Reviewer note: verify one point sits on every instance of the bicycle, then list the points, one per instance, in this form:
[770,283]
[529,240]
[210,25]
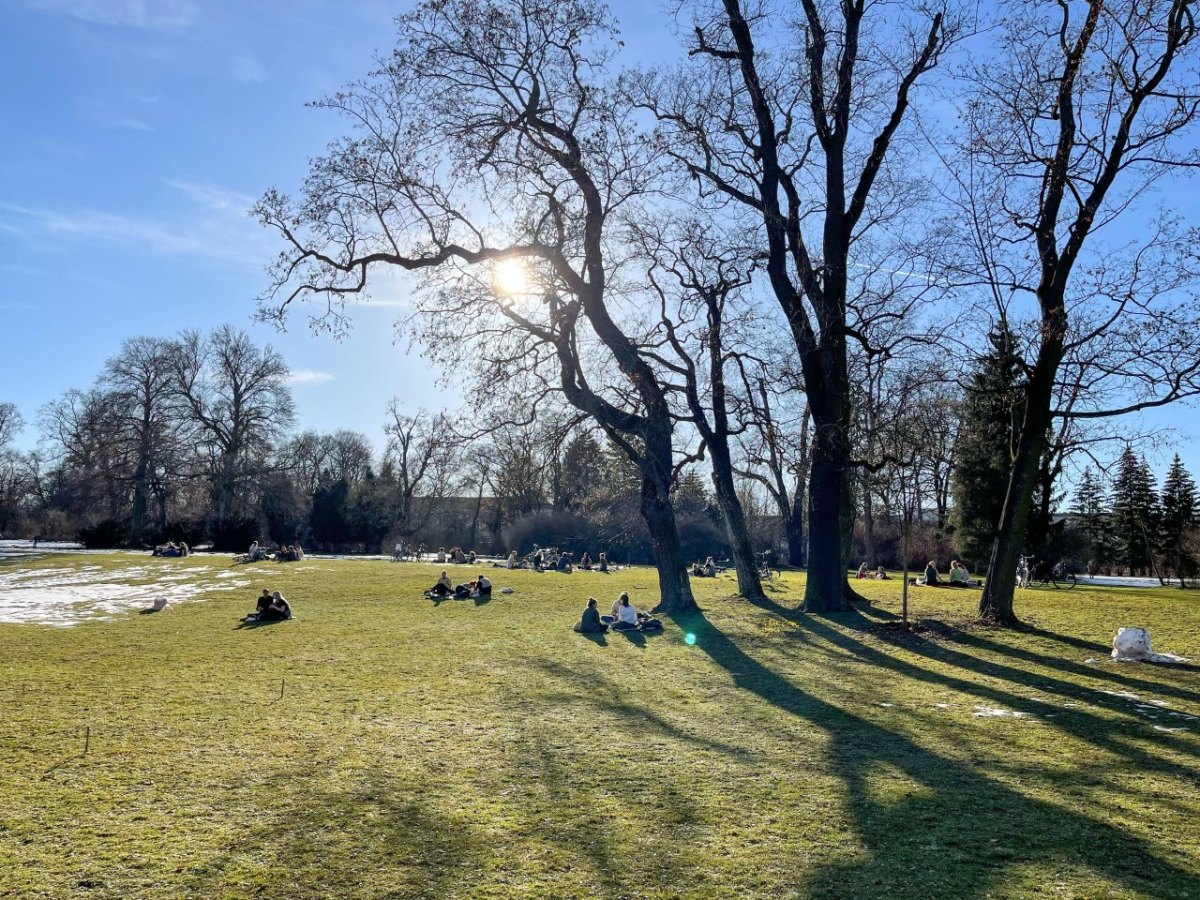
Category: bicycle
[1044,575]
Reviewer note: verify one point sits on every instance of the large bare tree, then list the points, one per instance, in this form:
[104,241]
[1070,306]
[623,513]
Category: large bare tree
[789,115]
[491,139]
[1080,108]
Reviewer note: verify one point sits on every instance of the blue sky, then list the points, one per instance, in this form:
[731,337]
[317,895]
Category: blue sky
[136,135]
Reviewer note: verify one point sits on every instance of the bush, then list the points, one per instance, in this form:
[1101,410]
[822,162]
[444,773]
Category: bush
[234,535]
[106,534]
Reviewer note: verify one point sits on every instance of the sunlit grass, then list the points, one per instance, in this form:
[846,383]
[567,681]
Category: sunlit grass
[471,750]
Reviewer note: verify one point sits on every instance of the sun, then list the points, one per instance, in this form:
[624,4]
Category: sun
[510,277]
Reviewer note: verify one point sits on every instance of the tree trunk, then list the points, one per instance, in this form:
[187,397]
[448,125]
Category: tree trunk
[749,585]
[868,526]
[828,490]
[996,603]
[137,515]
[793,524]
[673,586]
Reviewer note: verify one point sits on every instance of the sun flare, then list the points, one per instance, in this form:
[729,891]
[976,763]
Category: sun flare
[510,277]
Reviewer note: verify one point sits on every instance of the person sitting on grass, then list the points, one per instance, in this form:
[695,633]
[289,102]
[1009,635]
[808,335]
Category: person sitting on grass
[483,587]
[184,549]
[443,588]
[931,576]
[603,564]
[585,562]
[959,576]
[710,568]
[625,617]
[278,610]
[539,561]
[511,562]
[863,569]
[564,563]
[881,574]
[264,601]
[589,622]
[441,556]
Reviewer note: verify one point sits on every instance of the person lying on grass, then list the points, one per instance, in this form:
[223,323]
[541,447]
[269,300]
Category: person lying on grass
[589,622]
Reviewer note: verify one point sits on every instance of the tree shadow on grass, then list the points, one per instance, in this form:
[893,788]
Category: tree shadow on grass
[960,813]
[357,835]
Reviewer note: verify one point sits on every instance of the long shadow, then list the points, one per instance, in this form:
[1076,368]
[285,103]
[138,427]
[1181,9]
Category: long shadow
[319,833]
[605,696]
[1079,722]
[990,824]
[1074,668]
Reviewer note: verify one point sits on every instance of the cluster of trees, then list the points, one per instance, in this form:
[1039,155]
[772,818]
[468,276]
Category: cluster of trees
[1131,526]
[782,207]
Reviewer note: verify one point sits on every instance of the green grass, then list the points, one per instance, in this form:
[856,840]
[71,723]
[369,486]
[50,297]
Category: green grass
[487,751]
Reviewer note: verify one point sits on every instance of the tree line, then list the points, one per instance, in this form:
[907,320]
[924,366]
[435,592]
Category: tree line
[784,202]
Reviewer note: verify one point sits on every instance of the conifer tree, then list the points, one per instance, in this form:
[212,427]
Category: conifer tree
[983,454]
[1135,512]
[1178,519]
[1091,508]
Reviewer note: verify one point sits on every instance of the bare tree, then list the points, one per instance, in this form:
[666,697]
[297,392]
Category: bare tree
[236,395]
[791,121]
[425,460]
[698,279]
[1084,106]
[490,139]
[147,416]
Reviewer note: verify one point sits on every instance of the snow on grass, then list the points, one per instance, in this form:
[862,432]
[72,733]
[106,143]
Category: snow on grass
[70,595]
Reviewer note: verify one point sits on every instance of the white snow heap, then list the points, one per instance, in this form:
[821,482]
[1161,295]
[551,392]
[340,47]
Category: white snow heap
[1133,645]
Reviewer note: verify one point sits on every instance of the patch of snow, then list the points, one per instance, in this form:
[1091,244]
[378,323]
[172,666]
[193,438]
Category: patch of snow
[66,597]
[992,712]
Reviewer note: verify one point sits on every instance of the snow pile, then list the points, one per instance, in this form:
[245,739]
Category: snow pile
[68,596]
[1133,645]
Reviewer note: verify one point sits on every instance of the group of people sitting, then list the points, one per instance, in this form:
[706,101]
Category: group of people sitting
[286,553]
[622,616]
[708,570]
[959,576]
[271,607]
[553,560]
[480,587]
[455,555]
[864,571]
[405,551]
[171,550]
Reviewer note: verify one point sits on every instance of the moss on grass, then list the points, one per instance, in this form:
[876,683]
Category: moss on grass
[465,750]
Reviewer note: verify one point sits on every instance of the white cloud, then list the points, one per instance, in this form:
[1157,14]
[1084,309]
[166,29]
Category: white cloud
[300,377]
[245,69]
[214,225]
[109,117]
[151,15]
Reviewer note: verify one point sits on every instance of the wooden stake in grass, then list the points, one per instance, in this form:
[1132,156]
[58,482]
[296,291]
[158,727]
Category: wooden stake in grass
[282,682]
[87,740]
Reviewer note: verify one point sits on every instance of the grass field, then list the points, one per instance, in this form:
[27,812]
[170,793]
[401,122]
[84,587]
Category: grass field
[465,750]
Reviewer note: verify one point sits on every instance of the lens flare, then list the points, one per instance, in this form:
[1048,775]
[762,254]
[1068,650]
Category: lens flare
[689,639]
[510,277]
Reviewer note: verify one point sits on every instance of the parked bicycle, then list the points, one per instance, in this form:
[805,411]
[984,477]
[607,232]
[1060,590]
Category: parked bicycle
[1043,573]
[765,558]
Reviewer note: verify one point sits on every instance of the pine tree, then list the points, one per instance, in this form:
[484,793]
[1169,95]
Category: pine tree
[1092,511]
[983,452]
[1135,512]
[1179,516]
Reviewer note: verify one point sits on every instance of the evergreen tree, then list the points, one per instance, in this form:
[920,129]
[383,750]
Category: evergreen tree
[1134,510]
[1091,509]
[1178,518]
[991,416]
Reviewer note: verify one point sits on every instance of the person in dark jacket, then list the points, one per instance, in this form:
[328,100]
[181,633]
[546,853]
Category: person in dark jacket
[590,622]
